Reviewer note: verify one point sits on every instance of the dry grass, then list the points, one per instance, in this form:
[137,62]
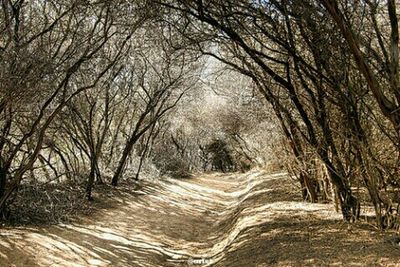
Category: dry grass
[47,204]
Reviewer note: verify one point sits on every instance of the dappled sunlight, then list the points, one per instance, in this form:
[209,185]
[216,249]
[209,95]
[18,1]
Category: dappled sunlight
[210,220]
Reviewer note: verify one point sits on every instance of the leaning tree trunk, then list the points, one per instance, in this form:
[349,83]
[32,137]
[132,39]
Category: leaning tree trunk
[122,162]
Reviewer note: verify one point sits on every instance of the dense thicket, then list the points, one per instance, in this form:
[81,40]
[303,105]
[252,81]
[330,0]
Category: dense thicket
[90,91]
[81,83]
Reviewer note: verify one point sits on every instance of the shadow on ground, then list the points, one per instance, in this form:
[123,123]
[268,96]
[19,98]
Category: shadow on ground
[252,219]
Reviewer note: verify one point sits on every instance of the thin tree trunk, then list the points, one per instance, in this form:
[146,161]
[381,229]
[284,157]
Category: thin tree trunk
[122,162]
[91,180]
[3,181]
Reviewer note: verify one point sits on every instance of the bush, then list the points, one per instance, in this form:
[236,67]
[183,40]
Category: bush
[172,165]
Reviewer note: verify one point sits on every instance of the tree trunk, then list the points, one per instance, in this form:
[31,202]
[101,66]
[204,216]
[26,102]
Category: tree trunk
[99,180]
[91,179]
[122,162]
[3,182]
[349,205]
[311,188]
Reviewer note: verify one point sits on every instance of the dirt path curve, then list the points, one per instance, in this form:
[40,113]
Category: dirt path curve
[252,219]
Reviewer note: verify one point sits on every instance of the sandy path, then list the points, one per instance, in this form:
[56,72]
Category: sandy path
[250,219]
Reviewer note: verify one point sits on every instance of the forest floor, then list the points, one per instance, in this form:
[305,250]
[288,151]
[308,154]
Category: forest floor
[253,219]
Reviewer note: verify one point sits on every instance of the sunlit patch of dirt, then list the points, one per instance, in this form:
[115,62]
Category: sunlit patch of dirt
[253,219]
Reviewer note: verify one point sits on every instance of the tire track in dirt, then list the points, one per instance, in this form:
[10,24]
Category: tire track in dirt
[252,219]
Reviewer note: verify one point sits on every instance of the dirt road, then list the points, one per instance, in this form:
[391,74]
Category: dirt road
[252,219]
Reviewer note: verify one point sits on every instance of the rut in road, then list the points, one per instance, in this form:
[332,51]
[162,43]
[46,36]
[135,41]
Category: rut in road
[253,219]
